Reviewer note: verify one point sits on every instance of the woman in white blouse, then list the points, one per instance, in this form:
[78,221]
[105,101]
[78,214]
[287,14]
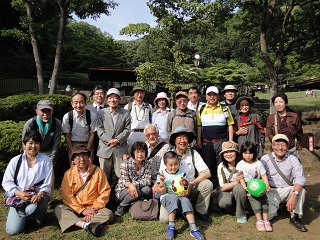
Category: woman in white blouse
[160,116]
[26,182]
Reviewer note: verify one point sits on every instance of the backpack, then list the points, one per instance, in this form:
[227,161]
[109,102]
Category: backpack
[88,118]
[150,110]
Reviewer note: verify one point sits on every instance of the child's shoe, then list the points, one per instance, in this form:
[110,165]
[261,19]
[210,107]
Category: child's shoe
[260,226]
[170,232]
[196,234]
[242,220]
[267,226]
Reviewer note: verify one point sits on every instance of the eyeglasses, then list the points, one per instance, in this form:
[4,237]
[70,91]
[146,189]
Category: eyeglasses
[182,101]
[280,144]
[81,156]
[99,94]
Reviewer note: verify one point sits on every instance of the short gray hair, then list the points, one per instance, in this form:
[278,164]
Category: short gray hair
[150,126]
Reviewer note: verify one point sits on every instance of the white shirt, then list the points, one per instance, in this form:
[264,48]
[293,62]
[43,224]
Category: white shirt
[251,170]
[140,116]
[42,167]
[195,106]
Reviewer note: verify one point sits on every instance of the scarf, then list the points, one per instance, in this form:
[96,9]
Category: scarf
[43,127]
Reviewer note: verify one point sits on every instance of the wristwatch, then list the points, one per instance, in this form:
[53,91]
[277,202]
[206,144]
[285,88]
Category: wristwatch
[296,192]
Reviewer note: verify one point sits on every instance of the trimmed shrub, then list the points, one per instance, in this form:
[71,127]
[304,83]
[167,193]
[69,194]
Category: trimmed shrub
[22,107]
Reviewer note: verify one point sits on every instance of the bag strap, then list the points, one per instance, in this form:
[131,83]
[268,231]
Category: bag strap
[17,170]
[86,182]
[279,171]
[230,176]
[156,150]
[196,171]
[276,123]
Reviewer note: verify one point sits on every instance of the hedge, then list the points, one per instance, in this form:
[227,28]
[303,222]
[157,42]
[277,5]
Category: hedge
[22,107]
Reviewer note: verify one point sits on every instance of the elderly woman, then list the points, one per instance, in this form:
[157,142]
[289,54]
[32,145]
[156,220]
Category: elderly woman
[159,117]
[135,180]
[26,182]
[229,181]
[285,121]
[248,125]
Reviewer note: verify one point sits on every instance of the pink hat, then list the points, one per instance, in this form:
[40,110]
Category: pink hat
[159,96]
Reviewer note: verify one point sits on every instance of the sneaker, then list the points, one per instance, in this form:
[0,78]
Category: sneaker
[267,226]
[242,220]
[119,212]
[260,226]
[196,234]
[170,232]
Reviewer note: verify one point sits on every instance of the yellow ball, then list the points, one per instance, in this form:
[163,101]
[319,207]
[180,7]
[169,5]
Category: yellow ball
[179,185]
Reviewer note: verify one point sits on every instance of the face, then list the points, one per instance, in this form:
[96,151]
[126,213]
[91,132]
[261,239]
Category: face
[230,156]
[172,165]
[181,142]
[280,148]
[139,95]
[247,156]
[279,104]
[31,147]
[161,102]
[113,100]
[151,136]
[78,103]
[139,155]
[212,98]
[229,95]
[193,95]
[99,97]
[244,106]
[44,114]
[182,103]
[82,161]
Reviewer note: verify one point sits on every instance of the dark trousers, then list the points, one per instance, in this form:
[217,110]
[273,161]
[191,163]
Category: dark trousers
[211,156]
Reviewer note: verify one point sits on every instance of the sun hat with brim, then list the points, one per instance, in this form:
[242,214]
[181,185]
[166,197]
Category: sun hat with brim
[229,87]
[137,87]
[181,130]
[79,148]
[229,146]
[181,93]
[43,104]
[250,100]
[161,95]
[280,137]
[113,91]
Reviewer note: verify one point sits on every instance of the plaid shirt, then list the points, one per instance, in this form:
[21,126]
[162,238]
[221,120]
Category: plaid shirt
[129,173]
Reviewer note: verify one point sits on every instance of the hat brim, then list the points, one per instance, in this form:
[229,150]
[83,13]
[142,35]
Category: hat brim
[224,90]
[250,100]
[155,101]
[40,107]
[229,149]
[174,136]
[137,89]
[80,151]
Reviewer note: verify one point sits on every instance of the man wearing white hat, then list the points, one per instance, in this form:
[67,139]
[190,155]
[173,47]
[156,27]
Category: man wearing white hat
[113,133]
[230,97]
[286,180]
[215,126]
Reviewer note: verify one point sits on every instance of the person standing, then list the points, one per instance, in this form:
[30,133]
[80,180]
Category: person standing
[160,116]
[113,133]
[215,126]
[194,98]
[141,114]
[286,179]
[230,96]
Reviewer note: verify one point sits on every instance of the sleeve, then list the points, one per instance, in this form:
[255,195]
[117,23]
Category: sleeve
[123,136]
[220,177]
[153,118]
[299,133]
[262,169]
[146,179]
[47,172]
[100,129]
[297,172]
[199,123]
[56,141]
[200,165]
[260,134]
[103,189]
[169,123]
[65,124]
[124,173]
[8,182]
[94,122]
[230,120]
[26,128]
[270,127]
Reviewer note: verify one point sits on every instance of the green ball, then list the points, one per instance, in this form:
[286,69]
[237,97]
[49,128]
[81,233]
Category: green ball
[256,187]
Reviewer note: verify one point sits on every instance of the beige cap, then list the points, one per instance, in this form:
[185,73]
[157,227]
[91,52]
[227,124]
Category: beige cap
[229,146]
[280,137]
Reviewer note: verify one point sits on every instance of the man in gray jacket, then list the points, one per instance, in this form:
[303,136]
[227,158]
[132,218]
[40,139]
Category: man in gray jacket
[113,133]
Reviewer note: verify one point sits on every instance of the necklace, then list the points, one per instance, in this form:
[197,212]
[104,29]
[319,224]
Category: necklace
[282,117]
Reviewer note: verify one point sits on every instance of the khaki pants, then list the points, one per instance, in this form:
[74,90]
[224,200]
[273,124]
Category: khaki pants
[106,165]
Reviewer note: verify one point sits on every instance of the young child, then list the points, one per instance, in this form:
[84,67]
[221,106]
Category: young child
[79,125]
[253,168]
[173,203]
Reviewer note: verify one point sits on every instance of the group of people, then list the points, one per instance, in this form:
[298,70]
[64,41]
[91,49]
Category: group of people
[140,149]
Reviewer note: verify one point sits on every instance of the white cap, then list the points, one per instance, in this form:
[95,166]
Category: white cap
[212,89]
[113,91]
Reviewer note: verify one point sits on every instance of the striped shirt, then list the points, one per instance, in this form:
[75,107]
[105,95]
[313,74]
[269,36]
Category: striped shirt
[289,165]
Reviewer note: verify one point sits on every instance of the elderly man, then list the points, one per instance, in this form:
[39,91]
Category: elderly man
[230,97]
[215,126]
[85,191]
[194,96]
[141,114]
[286,180]
[113,133]
[156,149]
[197,173]
[182,115]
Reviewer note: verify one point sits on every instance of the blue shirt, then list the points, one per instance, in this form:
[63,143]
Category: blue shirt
[160,120]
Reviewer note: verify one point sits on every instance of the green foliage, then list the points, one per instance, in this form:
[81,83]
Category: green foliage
[22,107]
[136,30]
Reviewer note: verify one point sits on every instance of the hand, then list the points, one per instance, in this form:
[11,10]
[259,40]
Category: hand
[132,190]
[239,175]
[162,177]
[268,188]
[125,157]
[23,195]
[199,144]
[291,202]
[112,142]
[89,213]
[243,131]
[162,189]
[36,198]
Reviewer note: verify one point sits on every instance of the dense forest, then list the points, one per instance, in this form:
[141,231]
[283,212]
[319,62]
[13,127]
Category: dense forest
[238,41]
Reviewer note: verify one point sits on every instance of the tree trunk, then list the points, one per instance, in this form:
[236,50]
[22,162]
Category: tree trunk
[57,61]
[35,47]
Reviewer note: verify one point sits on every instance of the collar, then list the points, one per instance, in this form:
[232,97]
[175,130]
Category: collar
[280,160]
[95,105]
